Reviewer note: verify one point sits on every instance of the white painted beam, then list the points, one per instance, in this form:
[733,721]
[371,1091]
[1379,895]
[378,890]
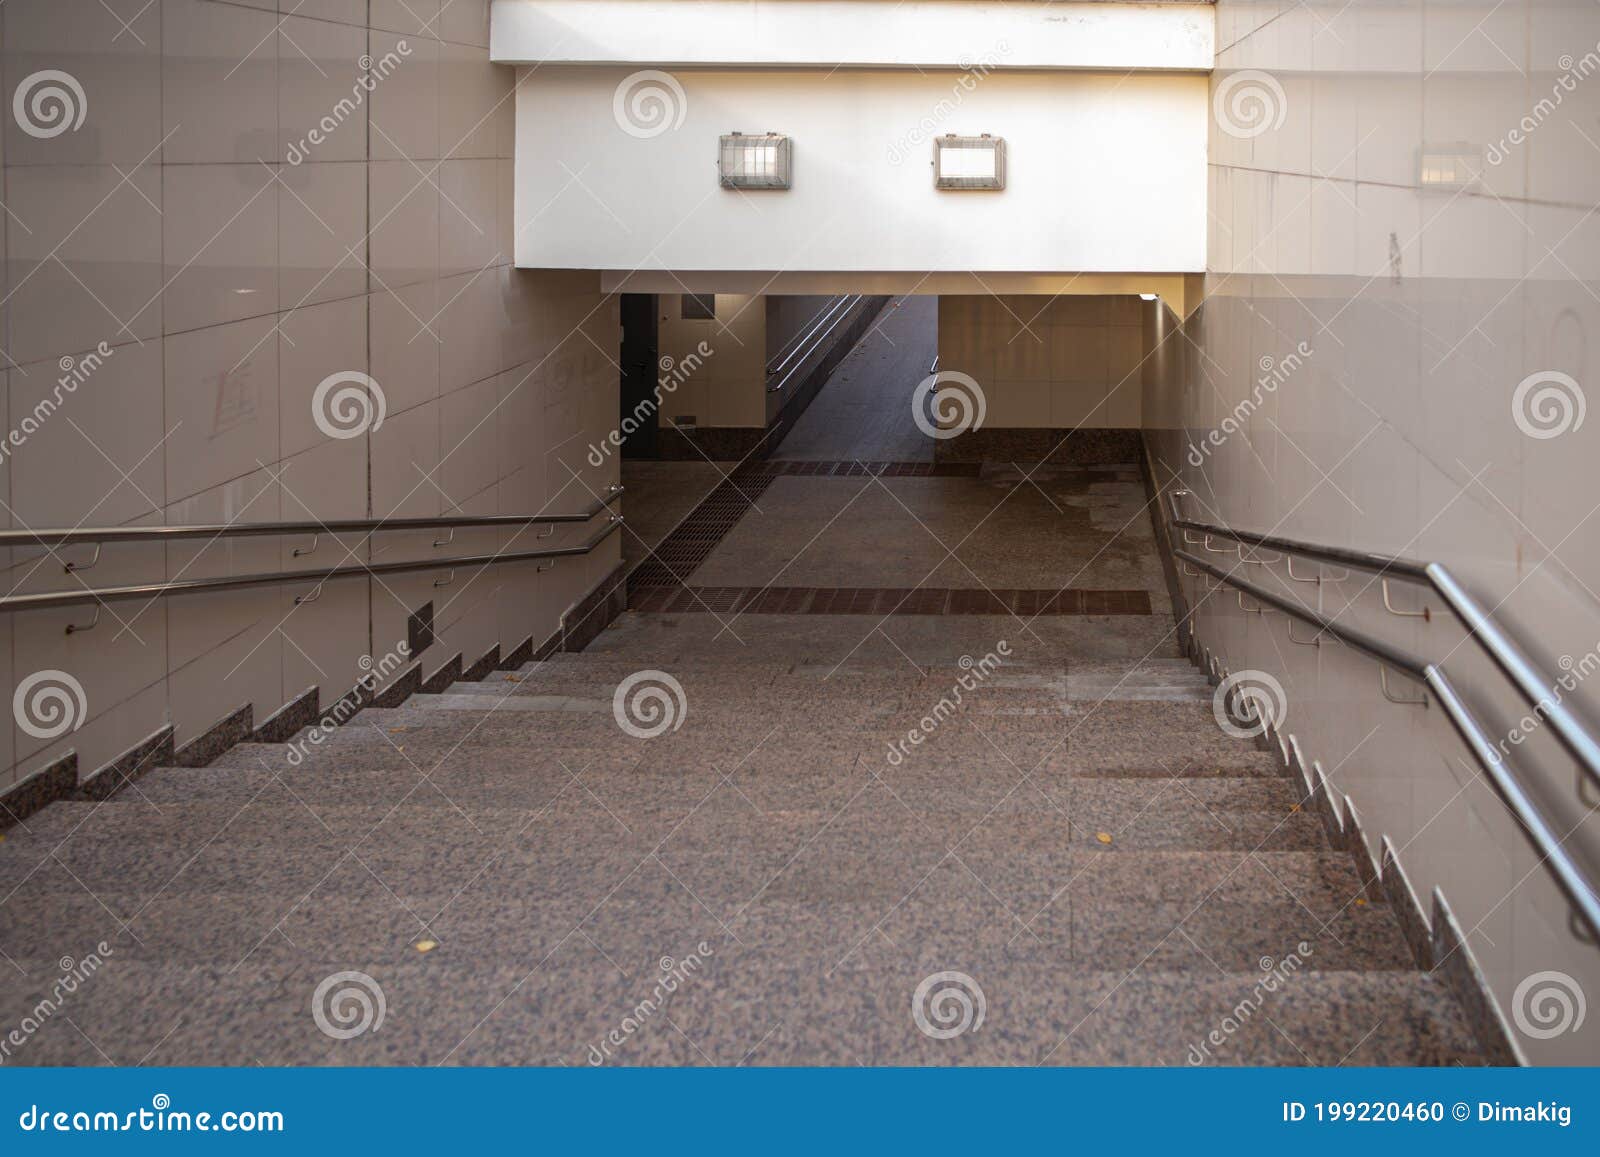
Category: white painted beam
[1180,291]
[854,34]
[1105,172]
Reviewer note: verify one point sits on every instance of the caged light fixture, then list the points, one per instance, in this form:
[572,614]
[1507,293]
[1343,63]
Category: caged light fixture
[754,161]
[969,162]
[1451,166]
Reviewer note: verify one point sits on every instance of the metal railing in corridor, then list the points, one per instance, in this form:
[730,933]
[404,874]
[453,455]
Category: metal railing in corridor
[1508,656]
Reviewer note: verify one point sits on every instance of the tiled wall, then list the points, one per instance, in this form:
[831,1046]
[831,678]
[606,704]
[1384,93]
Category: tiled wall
[1047,362]
[229,282]
[728,387]
[1423,305]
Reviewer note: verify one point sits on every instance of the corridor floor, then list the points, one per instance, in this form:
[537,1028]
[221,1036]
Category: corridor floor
[877,829]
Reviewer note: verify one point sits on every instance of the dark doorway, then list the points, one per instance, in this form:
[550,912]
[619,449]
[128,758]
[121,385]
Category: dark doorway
[639,419]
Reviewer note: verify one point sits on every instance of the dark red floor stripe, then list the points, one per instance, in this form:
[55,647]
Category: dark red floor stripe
[887,601]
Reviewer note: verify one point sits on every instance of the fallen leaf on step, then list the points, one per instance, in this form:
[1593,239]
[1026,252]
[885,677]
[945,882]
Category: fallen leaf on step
[426,945]
[1294,807]
[1361,903]
[513,678]
[396,730]
[1103,837]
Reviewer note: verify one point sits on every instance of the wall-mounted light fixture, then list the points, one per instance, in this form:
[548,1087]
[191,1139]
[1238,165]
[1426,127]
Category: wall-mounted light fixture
[1449,166]
[754,161]
[969,162]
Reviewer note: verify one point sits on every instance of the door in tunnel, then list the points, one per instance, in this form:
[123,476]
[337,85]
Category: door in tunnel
[639,418]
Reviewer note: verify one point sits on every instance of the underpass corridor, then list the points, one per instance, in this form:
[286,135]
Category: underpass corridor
[611,533]
[890,761]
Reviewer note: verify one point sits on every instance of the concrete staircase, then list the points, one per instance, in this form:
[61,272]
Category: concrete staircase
[1124,883]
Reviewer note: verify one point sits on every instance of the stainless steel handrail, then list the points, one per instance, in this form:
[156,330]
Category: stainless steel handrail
[315,578]
[831,322]
[1580,892]
[818,320]
[1512,661]
[1361,560]
[1571,879]
[778,360]
[54,537]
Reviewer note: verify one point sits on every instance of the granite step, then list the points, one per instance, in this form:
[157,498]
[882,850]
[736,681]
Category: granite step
[377,919]
[1112,763]
[1195,814]
[729,1011]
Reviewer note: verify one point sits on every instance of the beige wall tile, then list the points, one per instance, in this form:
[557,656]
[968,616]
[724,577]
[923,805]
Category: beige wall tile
[219,84]
[219,244]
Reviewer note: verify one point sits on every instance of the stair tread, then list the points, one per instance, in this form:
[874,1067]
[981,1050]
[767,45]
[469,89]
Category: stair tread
[731,1003]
